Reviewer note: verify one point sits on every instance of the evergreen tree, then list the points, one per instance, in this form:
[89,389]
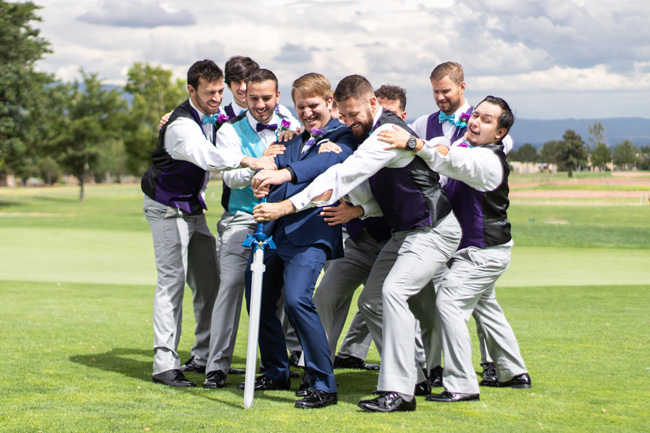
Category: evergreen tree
[572,152]
[21,88]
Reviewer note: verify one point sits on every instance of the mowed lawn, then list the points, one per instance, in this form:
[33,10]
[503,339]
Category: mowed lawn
[77,282]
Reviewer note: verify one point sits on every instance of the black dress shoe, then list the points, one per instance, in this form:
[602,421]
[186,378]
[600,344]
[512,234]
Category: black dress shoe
[435,377]
[294,357]
[316,399]
[452,397]
[522,382]
[348,361]
[387,402]
[263,383]
[305,385]
[236,371]
[215,379]
[489,375]
[192,367]
[423,388]
[172,378]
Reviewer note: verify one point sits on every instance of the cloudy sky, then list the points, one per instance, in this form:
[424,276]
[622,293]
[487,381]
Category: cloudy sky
[551,59]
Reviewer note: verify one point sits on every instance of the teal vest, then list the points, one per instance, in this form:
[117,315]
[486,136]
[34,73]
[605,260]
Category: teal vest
[243,199]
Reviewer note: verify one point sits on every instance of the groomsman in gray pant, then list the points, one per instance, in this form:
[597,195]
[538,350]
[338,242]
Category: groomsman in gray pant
[478,192]
[174,207]
[365,241]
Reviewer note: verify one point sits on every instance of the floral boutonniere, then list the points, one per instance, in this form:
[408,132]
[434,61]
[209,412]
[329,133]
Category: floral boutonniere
[462,120]
[223,118]
[284,124]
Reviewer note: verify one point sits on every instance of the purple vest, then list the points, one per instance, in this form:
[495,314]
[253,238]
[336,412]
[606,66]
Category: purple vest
[434,127]
[482,215]
[172,182]
[409,196]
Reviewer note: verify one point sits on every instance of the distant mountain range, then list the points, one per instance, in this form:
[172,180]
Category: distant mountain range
[538,132]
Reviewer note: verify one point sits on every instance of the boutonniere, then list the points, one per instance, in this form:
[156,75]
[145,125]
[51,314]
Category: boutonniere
[223,118]
[285,125]
[315,135]
[462,120]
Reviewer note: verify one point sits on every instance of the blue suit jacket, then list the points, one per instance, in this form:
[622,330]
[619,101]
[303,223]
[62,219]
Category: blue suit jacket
[308,227]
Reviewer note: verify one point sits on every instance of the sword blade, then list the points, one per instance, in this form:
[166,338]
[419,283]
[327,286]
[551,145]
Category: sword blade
[257,271]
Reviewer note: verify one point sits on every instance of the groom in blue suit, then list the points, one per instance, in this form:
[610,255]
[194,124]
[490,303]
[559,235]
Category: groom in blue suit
[304,242]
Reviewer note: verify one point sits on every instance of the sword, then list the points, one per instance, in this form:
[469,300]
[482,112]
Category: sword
[258,241]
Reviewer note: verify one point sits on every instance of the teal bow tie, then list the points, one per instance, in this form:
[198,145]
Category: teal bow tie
[442,118]
[211,119]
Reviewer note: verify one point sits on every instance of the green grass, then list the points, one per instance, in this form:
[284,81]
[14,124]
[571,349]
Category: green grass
[550,187]
[77,282]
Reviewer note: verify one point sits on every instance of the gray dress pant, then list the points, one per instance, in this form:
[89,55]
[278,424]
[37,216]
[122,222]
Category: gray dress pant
[466,289]
[233,258]
[399,291]
[434,348]
[185,251]
[335,292]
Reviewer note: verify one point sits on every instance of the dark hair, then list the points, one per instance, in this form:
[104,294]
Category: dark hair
[507,118]
[261,75]
[392,93]
[352,86]
[451,69]
[206,69]
[239,68]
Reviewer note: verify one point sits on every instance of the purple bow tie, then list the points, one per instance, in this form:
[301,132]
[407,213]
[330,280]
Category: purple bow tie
[263,126]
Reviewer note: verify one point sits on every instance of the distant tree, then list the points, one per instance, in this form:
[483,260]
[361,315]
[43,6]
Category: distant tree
[573,152]
[112,162]
[528,153]
[93,117]
[644,158]
[21,87]
[154,94]
[597,134]
[48,169]
[550,152]
[601,156]
[625,154]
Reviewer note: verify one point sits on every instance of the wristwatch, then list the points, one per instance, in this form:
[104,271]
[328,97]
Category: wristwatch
[411,143]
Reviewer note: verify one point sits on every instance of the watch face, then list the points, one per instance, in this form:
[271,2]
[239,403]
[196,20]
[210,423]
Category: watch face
[411,143]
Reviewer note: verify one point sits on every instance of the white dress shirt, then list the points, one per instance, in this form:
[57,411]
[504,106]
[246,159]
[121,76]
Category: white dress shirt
[230,142]
[185,142]
[477,166]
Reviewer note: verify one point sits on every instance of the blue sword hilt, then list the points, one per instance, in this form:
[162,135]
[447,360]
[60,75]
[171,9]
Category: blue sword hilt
[259,239]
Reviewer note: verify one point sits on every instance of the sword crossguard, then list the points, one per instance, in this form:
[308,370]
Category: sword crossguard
[259,239]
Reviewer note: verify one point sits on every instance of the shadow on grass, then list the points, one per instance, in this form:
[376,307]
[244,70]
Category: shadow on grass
[353,385]
[123,361]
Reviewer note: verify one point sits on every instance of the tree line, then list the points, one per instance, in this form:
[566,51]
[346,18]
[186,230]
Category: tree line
[49,128]
[573,153]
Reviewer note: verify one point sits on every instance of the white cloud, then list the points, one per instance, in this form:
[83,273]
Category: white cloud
[509,48]
[147,14]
